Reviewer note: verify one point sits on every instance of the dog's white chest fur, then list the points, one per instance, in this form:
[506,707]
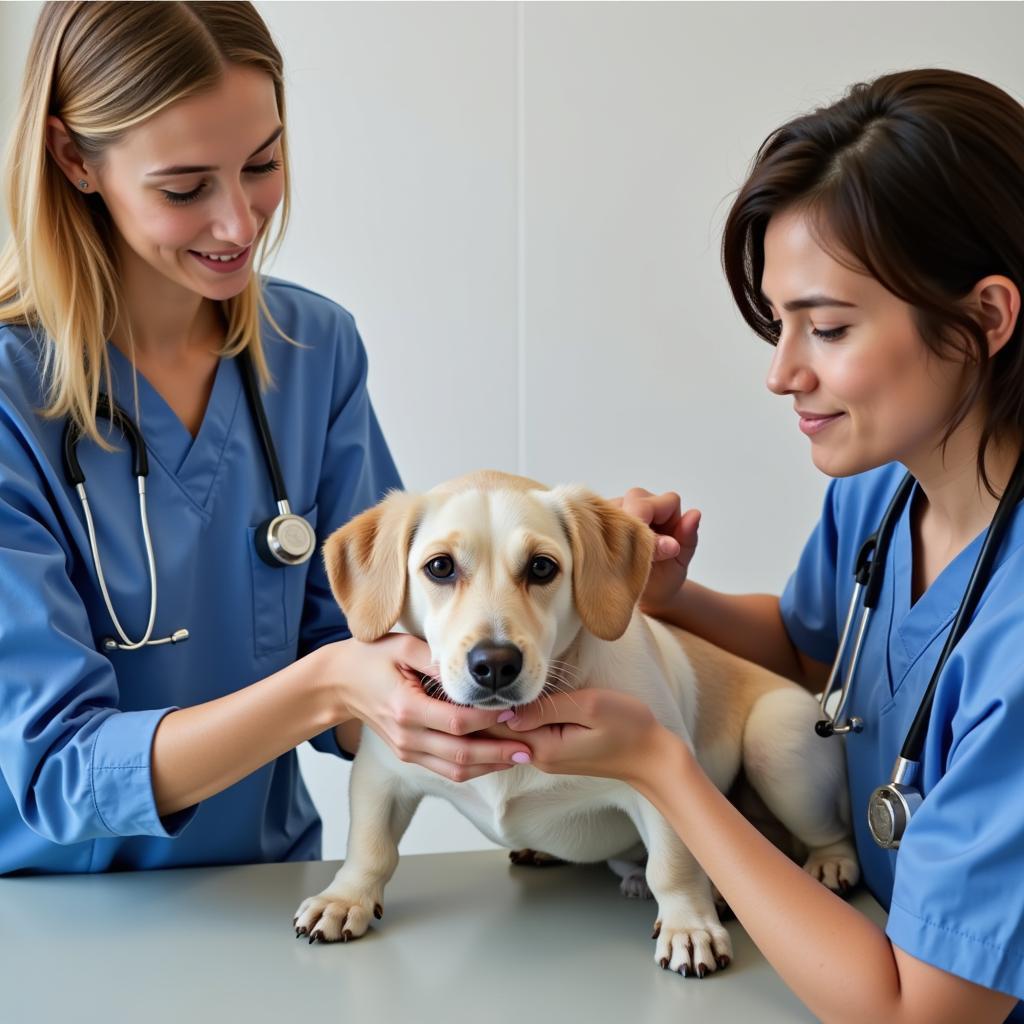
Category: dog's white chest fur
[574,818]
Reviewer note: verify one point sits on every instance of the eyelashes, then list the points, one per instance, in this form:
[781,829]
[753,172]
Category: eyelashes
[180,198]
[831,334]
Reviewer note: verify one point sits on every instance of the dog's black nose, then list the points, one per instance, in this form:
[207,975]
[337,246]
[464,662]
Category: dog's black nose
[495,665]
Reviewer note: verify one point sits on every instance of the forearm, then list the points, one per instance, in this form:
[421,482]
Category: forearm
[839,963]
[748,625]
[201,750]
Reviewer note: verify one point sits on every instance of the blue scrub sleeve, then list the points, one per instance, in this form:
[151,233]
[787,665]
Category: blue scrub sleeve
[77,767]
[808,603]
[357,472]
[958,900]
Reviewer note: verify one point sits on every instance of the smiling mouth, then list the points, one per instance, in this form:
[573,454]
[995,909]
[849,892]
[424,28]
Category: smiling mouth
[813,424]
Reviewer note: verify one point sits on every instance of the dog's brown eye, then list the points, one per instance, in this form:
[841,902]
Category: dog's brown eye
[441,568]
[542,569]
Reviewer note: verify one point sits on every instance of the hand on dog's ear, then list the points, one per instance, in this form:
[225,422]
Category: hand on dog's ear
[611,559]
[366,564]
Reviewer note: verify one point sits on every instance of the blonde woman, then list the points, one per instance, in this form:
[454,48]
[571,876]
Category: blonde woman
[161,655]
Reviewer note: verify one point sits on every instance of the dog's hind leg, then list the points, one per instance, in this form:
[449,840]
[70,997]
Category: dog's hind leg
[380,812]
[802,780]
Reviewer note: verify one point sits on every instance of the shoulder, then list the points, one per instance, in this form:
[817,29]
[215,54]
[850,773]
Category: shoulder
[21,369]
[322,353]
[316,317]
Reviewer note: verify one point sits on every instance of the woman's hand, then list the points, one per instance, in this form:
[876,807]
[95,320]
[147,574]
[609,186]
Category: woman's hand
[380,685]
[592,732]
[677,540]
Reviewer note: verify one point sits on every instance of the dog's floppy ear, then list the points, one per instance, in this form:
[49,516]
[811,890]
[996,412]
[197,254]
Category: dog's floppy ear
[366,564]
[611,559]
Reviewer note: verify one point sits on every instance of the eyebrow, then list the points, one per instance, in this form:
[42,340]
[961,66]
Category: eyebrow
[810,302]
[167,172]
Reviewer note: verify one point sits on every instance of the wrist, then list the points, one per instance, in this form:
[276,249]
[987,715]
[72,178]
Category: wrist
[664,607]
[665,765]
[327,689]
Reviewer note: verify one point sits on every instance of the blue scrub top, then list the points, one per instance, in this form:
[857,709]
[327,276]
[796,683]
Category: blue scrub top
[955,888]
[77,723]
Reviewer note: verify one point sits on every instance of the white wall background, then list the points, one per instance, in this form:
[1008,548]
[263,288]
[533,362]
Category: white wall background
[522,205]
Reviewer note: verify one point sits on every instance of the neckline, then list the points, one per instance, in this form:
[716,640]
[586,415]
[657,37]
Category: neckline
[191,460]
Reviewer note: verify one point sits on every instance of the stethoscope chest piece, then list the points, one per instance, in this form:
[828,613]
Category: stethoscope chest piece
[891,806]
[287,539]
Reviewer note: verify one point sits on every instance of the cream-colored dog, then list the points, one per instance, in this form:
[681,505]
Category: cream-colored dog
[521,590]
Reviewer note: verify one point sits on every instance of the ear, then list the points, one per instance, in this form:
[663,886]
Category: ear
[366,564]
[611,559]
[996,301]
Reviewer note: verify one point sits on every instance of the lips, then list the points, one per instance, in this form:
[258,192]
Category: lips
[814,422]
[240,260]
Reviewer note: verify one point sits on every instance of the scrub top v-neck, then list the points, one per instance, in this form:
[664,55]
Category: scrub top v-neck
[77,722]
[953,888]
[192,461]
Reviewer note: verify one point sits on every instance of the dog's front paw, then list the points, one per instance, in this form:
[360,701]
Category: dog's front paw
[335,917]
[835,866]
[697,947]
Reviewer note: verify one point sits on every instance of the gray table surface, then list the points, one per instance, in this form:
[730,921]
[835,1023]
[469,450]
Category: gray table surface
[465,937]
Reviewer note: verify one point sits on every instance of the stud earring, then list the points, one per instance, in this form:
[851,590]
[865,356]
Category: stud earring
[82,184]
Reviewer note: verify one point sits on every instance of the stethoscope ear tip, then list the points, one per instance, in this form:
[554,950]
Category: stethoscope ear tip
[824,728]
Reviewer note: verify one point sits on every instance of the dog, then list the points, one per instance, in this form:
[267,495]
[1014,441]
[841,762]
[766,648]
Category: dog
[522,590]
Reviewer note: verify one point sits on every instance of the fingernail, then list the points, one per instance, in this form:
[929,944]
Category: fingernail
[520,757]
[506,715]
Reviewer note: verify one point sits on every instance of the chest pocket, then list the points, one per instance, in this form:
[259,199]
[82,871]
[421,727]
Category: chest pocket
[278,595]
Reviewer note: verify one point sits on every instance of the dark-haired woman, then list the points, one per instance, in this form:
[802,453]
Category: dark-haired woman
[878,244]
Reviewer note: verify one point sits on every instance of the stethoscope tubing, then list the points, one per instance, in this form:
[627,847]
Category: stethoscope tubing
[284,540]
[892,804]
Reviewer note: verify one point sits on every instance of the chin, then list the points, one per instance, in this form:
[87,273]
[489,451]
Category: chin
[840,464]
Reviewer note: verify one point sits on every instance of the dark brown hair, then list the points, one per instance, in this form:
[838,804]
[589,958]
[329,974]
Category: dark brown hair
[918,179]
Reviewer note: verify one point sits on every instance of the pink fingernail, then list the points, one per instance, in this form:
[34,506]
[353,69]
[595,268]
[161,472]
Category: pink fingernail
[520,757]
[506,715]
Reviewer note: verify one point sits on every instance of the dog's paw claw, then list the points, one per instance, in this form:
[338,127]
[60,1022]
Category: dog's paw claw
[693,948]
[835,866]
[334,917]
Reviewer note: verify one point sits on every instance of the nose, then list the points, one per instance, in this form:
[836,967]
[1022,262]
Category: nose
[236,220]
[495,665]
[789,372]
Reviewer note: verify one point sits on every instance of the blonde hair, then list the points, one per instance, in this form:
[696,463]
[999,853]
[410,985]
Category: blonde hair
[103,68]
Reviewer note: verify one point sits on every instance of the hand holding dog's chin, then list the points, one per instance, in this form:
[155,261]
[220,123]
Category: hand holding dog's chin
[379,683]
[597,732]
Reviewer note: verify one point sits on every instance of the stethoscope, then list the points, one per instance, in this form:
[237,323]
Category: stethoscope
[892,805]
[283,540]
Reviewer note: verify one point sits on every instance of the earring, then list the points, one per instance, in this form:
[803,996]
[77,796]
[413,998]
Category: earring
[82,184]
